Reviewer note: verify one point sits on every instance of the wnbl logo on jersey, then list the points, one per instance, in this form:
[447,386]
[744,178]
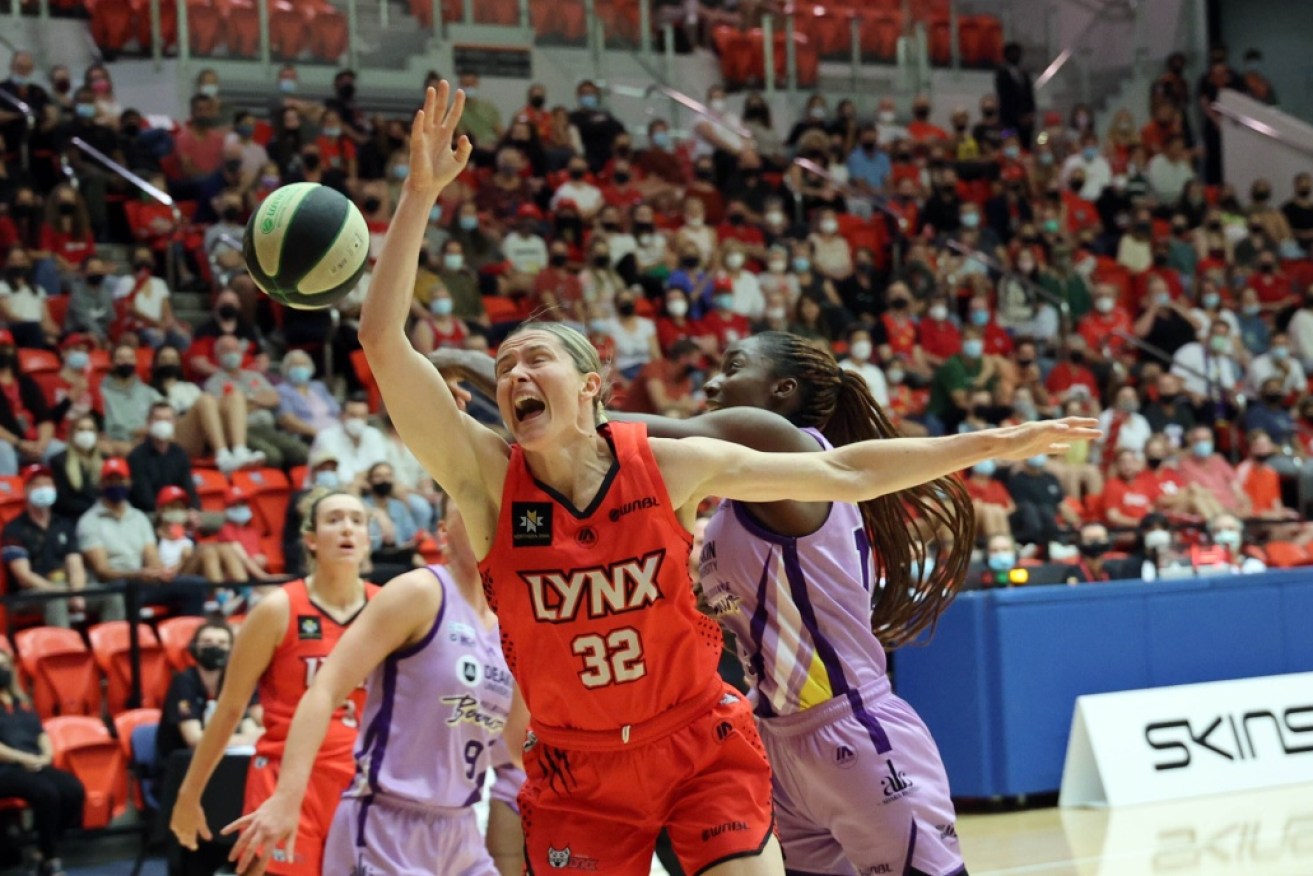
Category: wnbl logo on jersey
[629,585]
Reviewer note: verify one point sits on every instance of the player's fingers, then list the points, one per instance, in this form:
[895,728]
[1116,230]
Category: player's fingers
[464,148]
[455,111]
[239,824]
[431,104]
[204,830]
[244,857]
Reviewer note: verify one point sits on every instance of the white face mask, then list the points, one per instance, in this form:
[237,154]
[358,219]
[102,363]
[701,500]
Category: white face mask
[775,313]
[887,117]
[860,350]
[829,226]
[777,266]
[355,427]
[774,217]
[677,308]
[85,440]
[734,261]
[161,430]
[1103,305]
[717,104]
[938,312]
[693,221]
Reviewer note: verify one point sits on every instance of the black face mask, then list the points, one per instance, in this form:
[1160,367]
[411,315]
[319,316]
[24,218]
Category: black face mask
[372,204]
[921,112]
[689,262]
[143,265]
[1263,457]
[703,173]
[346,90]
[1273,398]
[382,489]
[1142,228]
[212,657]
[1153,462]
[625,308]
[6,678]
[1077,357]
[232,165]
[231,215]
[24,211]
[130,131]
[1095,549]
[537,101]
[899,304]
[558,260]
[8,358]
[396,142]
[227,312]
[124,370]
[980,412]
[94,279]
[622,177]
[622,151]
[576,173]
[641,228]
[611,227]
[1076,184]
[310,162]
[168,372]
[16,276]
[1261,197]
[1304,192]
[869,146]
[1267,267]
[601,261]
[736,219]
[67,208]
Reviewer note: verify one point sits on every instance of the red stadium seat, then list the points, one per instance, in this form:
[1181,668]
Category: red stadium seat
[734,49]
[270,492]
[84,747]
[990,45]
[502,12]
[211,487]
[328,35]
[939,39]
[620,21]
[31,361]
[5,646]
[287,32]
[242,30]
[175,635]
[13,499]
[124,724]
[57,306]
[61,671]
[205,28]
[879,34]
[111,24]
[109,644]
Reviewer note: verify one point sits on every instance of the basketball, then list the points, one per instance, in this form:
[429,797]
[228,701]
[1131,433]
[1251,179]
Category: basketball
[306,246]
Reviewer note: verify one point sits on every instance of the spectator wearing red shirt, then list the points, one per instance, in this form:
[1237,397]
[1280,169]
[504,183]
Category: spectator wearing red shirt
[240,531]
[1273,286]
[897,333]
[940,337]
[556,289]
[737,227]
[1081,214]
[536,113]
[674,324]
[1100,328]
[665,386]
[1072,372]
[1131,494]
[199,145]
[66,233]
[75,390]
[336,150]
[997,341]
[920,128]
[992,501]
[621,189]
[721,322]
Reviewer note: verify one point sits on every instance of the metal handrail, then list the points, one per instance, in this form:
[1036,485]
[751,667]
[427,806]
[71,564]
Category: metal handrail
[1097,17]
[25,108]
[1259,127]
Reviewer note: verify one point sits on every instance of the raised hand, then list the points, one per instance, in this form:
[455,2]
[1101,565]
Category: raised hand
[272,825]
[1047,436]
[434,160]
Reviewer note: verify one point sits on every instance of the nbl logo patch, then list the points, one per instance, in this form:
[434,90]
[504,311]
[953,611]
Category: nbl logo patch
[531,524]
[309,628]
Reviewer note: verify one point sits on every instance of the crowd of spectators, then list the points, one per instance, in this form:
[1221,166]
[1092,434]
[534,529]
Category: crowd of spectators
[1012,265]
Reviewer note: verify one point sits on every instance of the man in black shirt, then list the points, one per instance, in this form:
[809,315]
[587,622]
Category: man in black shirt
[92,180]
[41,553]
[1038,496]
[13,124]
[192,690]
[159,462]
[354,122]
[1299,212]
[597,127]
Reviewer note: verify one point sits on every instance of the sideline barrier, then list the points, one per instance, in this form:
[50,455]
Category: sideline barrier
[998,684]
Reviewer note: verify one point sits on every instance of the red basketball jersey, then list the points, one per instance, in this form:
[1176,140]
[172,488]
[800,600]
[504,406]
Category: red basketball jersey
[310,636]
[599,622]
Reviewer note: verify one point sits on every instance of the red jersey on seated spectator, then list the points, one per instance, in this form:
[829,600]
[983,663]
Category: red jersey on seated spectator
[899,331]
[939,337]
[1071,373]
[71,247]
[1099,328]
[1081,214]
[1132,493]
[1273,286]
[989,491]
[665,386]
[1140,284]
[675,324]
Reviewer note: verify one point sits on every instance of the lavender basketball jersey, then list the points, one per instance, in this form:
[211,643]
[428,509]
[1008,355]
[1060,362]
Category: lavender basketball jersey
[799,608]
[434,711]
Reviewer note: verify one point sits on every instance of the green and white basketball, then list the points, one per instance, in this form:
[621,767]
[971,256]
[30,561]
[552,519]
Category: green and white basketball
[306,246]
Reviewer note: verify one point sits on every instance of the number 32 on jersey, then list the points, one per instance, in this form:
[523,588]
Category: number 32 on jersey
[616,658]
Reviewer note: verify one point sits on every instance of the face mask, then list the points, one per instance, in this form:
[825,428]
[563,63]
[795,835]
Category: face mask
[453,261]
[938,312]
[776,314]
[724,301]
[980,318]
[919,573]
[124,370]
[717,104]
[355,427]
[327,479]
[1157,539]
[240,514]
[899,304]
[802,264]
[230,361]
[400,171]
[41,497]
[346,90]
[1012,152]
[300,374]
[1227,538]
[734,261]
[677,308]
[1051,226]
[1002,562]
[115,493]
[588,101]
[1094,549]
[161,430]
[985,468]
[694,221]
[469,223]
[861,350]
[829,226]
[372,204]
[970,220]
[558,259]
[1280,352]
[1037,461]
[1128,406]
[621,177]
[84,440]
[6,678]
[1262,196]
[1089,153]
[174,515]
[435,213]
[94,280]
[973,348]
[689,262]
[625,308]
[816,113]
[1211,300]
[1219,343]
[16,276]
[1045,159]
[1104,305]
[85,110]
[212,657]
[661,139]
[209,89]
[310,162]
[270,182]
[894,375]
[382,489]
[77,360]
[1202,449]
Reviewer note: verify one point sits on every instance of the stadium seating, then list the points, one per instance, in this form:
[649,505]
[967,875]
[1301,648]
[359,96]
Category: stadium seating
[109,644]
[175,634]
[61,673]
[83,746]
[144,763]
[211,487]
[270,492]
[125,728]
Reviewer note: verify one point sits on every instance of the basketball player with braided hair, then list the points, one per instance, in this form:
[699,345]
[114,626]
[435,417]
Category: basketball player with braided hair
[582,530]
[858,782]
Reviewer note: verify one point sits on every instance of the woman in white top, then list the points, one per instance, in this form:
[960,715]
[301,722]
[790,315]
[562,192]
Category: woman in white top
[696,230]
[598,279]
[635,336]
[152,313]
[203,420]
[748,299]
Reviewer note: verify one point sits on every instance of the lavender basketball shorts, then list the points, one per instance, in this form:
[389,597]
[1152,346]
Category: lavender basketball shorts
[384,836]
[860,789]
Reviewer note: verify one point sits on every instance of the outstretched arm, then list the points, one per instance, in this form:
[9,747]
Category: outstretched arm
[696,468]
[468,460]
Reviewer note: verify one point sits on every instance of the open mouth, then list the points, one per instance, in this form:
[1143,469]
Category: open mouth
[528,407]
